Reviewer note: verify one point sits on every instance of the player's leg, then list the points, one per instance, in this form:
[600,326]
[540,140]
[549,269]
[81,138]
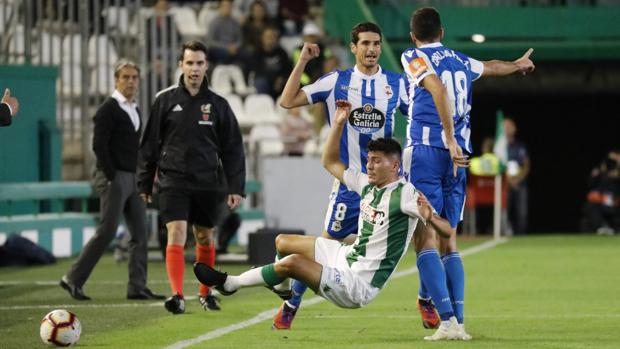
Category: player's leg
[454,202]
[340,224]
[297,261]
[174,209]
[426,166]
[207,209]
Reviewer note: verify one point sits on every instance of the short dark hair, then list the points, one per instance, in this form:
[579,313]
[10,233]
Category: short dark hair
[364,27]
[426,24]
[193,45]
[388,146]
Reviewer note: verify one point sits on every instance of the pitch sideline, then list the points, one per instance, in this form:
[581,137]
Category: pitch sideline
[269,314]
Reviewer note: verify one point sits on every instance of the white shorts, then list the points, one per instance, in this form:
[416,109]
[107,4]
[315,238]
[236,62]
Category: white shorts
[339,284]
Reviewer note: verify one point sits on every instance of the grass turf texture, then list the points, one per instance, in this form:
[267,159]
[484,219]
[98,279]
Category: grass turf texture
[556,291]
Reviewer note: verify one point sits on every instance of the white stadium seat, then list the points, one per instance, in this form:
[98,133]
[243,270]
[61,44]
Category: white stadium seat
[261,109]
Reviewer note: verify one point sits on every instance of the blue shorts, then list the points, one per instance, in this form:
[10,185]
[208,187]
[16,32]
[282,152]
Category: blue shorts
[429,169]
[342,212]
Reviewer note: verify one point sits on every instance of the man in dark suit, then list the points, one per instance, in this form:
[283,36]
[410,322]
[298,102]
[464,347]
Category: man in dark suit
[115,143]
[8,108]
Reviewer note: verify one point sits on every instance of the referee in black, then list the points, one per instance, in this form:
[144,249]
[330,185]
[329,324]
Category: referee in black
[115,143]
[193,142]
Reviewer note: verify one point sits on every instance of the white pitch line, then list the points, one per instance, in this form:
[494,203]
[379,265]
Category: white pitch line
[269,314]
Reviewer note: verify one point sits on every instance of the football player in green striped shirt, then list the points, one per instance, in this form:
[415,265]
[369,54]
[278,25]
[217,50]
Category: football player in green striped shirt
[350,276]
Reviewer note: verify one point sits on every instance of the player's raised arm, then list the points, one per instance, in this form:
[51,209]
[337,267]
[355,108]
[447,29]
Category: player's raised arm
[292,95]
[524,65]
[331,154]
[444,109]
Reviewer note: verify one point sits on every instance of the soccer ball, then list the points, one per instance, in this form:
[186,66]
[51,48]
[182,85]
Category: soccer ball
[61,328]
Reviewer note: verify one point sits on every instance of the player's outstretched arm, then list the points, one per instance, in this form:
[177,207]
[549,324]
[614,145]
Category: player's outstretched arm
[292,95]
[441,226]
[444,108]
[524,65]
[331,154]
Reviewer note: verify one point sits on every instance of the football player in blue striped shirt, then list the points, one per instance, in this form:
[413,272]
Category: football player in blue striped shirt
[375,94]
[438,145]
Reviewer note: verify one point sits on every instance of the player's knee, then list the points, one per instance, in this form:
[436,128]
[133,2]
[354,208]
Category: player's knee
[288,264]
[282,243]
[204,236]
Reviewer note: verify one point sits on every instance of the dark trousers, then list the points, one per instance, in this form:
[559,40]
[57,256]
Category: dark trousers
[517,209]
[116,198]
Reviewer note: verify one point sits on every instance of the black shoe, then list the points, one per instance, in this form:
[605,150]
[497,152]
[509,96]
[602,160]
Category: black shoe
[145,294]
[175,304]
[283,294]
[74,291]
[211,277]
[209,302]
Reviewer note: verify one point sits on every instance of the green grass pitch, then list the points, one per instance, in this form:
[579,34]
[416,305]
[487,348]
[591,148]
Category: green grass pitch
[553,291]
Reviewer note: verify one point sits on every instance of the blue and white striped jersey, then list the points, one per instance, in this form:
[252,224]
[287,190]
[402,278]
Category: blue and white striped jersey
[374,101]
[457,72]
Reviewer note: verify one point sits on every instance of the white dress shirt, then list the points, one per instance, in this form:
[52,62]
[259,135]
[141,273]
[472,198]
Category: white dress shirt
[130,107]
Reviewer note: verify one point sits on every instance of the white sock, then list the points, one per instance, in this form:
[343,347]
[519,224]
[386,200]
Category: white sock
[251,277]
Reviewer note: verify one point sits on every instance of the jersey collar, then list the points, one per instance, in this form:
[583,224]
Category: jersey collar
[432,44]
[373,76]
[392,184]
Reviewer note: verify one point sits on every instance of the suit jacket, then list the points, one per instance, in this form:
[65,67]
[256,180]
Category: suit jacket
[115,140]
[5,115]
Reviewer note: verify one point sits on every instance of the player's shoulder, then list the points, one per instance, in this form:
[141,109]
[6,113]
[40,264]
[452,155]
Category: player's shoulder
[166,92]
[409,54]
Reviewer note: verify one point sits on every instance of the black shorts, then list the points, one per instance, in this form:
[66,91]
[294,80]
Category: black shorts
[201,207]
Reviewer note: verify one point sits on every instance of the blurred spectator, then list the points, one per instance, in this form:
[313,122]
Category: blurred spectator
[602,208]
[241,9]
[224,37]
[481,183]
[254,25]
[296,130]
[293,14]
[517,172]
[227,230]
[316,67]
[271,64]
[486,164]
[162,38]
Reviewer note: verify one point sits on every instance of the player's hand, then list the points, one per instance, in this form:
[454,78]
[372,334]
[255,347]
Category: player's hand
[456,153]
[309,51]
[524,63]
[11,101]
[147,198]
[425,207]
[343,108]
[234,200]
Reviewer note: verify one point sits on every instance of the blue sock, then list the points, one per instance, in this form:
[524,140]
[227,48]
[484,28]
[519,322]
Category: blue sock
[299,288]
[434,277]
[455,276]
[423,292]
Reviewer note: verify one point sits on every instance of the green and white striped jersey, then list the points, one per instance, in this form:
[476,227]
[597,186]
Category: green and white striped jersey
[387,220]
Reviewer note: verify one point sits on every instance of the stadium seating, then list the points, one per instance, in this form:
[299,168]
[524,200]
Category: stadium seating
[62,233]
[228,78]
[187,23]
[261,109]
[266,140]
[65,233]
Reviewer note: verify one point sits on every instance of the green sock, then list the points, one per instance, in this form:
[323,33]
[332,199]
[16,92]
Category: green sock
[270,276]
